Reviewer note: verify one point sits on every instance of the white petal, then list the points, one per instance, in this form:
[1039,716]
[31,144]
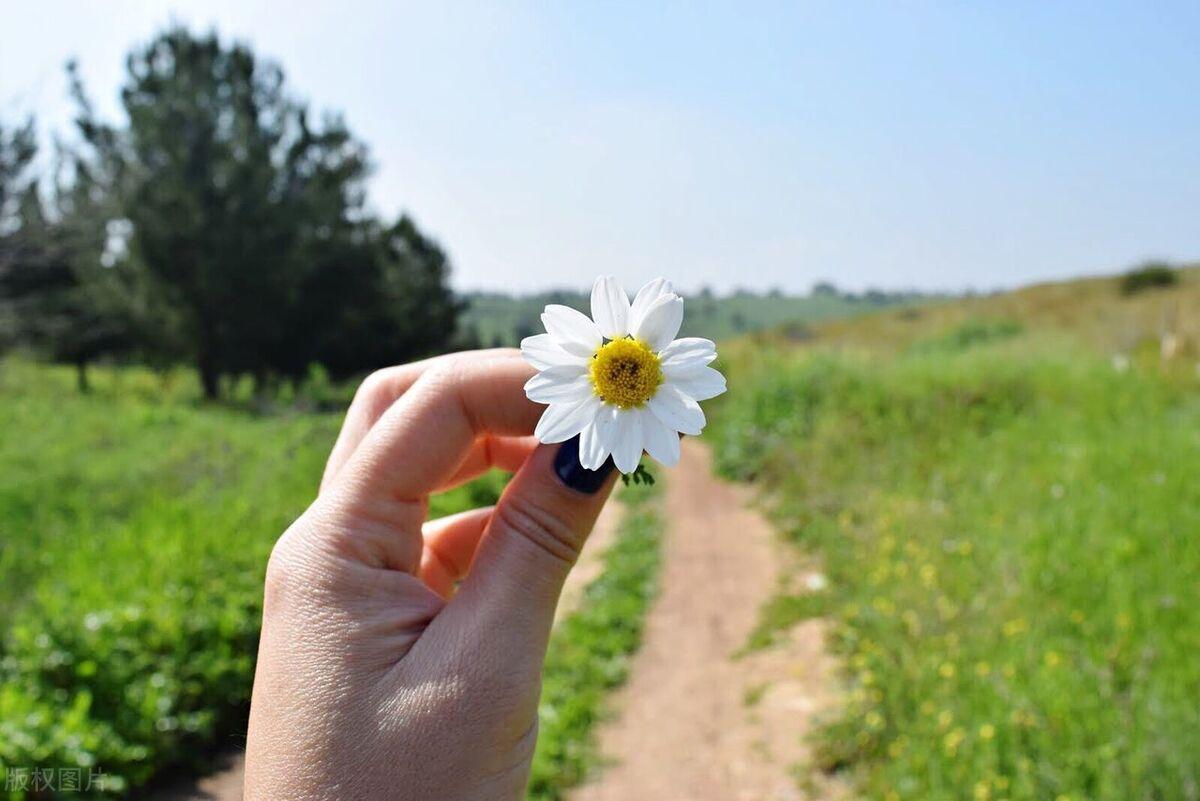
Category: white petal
[627,447]
[700,384]
[591,450]
[541,352]
[645,299]
[595,442]
[567,384]
[677,410]
[610,307]
[687,353]
[661,322]
[572,330]
[561,421]
[661,443]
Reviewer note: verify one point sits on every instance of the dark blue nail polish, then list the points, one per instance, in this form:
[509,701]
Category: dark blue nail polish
[575,475]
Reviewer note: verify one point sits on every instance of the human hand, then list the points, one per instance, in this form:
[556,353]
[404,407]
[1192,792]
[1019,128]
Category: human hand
[375,679]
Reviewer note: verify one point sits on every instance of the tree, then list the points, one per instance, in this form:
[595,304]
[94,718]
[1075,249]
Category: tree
[248,227]
[55,291]
[18,147]
[211,179]
[380,298]
[825,289]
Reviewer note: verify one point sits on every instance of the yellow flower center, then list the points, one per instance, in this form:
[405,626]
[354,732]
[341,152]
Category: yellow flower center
[625,372]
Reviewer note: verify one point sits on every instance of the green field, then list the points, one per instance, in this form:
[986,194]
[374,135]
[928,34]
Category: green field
[135,525]
[1004,495]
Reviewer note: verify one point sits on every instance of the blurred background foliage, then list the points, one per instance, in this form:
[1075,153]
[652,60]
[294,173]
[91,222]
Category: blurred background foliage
[218,226]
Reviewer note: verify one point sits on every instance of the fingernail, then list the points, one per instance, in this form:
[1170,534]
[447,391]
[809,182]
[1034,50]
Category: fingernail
[575,475]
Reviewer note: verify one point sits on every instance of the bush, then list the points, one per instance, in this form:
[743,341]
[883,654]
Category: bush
[1151,275]
[970,334]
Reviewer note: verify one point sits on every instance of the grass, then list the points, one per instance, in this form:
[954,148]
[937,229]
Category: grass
[135,525]
[590,649]
[754,694]
[1009,523]
[779,614]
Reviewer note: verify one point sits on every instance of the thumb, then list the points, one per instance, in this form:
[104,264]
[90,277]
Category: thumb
[535,535]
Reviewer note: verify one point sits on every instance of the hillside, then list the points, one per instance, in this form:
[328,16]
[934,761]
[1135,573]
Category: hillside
[1092,311]
[1001,493]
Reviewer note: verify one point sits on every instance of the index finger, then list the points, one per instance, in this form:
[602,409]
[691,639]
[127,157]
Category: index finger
[420,442]
[376,395]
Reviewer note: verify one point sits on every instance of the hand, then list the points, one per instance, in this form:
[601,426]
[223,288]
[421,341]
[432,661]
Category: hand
[375,679]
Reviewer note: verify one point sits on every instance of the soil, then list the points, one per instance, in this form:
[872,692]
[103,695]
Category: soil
[696,722]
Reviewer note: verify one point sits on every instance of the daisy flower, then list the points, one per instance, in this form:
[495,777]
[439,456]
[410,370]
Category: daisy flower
[620,380]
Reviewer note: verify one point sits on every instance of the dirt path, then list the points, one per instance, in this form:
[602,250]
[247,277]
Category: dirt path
[693,724]
[223,785]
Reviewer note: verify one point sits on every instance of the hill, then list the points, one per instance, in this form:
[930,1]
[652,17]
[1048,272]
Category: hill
[1001,493]
[1094,312]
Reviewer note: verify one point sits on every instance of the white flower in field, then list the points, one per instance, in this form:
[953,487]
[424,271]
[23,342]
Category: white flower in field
[621,380]
[816,582]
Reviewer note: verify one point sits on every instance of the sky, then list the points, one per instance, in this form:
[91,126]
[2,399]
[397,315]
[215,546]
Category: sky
[938,146]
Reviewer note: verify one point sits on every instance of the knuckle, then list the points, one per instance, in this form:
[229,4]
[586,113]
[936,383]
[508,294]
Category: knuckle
[287,570]
[372,396]
[301,561]
[371,386]
[446,380]
[446,373]
[540,526]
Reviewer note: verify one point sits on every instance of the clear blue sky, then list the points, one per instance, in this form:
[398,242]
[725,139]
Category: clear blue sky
[888,144]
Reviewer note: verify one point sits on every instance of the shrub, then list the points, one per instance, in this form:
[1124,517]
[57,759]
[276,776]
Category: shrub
[1151,275]
[970,334]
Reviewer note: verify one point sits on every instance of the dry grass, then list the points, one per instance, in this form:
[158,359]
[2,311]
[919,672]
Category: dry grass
[1091,311]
